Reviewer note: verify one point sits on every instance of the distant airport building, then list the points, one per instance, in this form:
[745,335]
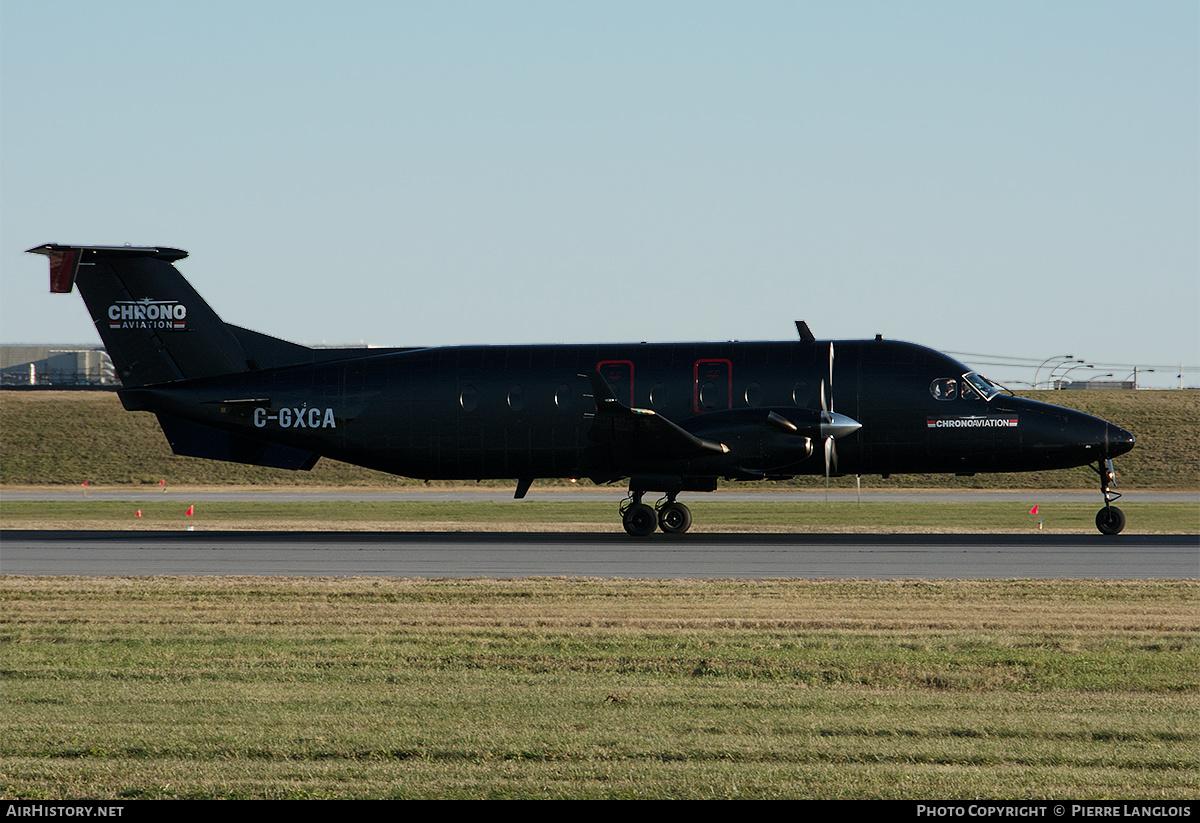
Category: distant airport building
[56,366]
[1094,384]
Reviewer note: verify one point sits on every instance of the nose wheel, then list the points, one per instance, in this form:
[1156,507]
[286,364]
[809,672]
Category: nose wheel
[1110,519]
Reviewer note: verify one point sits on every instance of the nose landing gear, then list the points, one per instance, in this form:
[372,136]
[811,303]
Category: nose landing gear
[1110,519]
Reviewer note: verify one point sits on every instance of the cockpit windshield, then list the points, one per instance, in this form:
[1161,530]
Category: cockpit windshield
[986,388]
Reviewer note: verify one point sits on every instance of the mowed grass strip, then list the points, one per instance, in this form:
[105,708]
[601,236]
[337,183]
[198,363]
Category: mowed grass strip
[251,687]
[529,515]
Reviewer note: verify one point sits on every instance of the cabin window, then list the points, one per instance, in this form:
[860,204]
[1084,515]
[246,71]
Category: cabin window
[468,398]
[516,398]
[800,394]
[944,388]
[754,395]
[658,396]
[562,397]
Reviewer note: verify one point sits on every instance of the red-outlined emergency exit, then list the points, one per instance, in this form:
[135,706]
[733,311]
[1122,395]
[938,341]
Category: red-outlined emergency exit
[619,376]
[713,386]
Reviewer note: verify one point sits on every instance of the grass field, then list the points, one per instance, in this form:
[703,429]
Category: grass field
[65,438]
[246,688]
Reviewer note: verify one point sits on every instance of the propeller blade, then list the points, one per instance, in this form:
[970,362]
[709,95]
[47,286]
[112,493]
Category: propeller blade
[831,378]
[830,459]
[833,425]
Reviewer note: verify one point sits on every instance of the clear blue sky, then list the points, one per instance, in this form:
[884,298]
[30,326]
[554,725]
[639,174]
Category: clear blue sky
[1019,179]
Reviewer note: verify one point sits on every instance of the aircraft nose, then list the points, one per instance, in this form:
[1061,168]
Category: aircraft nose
[1116,440]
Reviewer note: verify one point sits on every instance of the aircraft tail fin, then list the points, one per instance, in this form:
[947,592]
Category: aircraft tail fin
[155,326]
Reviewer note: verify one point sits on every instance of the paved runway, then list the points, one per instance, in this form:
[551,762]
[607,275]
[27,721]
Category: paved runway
[508,555]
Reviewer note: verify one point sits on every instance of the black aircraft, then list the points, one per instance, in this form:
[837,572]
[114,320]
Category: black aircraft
[669,417]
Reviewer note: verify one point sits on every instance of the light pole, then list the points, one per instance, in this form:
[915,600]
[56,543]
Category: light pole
[1134,375]
[1047,360]
[1079,364]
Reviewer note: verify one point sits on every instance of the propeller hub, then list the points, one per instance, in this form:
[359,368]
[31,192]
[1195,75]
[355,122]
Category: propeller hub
[838,425]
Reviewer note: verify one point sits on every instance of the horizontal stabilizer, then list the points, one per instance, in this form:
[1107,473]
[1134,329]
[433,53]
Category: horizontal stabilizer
[197,440]
[65,260]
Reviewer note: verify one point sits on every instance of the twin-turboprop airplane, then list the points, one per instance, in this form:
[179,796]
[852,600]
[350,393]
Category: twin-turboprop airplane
[670,417]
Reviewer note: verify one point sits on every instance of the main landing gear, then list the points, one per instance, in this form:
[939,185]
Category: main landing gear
[640,520]
[1110,519]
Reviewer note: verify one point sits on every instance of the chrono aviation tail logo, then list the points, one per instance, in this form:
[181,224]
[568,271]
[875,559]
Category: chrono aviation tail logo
[147,314]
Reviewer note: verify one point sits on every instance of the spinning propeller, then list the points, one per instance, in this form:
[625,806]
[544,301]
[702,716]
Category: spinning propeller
[833,425]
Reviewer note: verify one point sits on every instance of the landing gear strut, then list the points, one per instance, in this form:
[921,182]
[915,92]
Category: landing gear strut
[641,520]
[1110,519]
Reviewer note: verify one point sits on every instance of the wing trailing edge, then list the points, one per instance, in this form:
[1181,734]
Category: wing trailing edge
[642,433]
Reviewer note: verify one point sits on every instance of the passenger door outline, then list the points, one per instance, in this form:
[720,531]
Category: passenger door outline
[712,386]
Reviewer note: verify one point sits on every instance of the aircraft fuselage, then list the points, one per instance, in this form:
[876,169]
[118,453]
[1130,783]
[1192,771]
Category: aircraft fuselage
[480,412]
